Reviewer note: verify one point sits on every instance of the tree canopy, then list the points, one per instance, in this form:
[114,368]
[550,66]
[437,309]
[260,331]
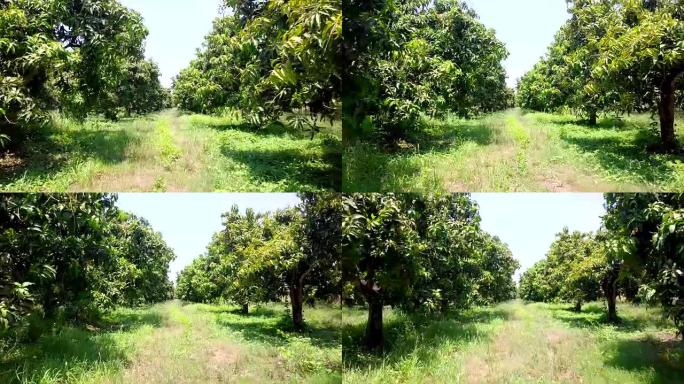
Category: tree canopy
[404,59]
[293,252]
[78,56]
[569,273]
[71,257]
[613,56]
[422,254]
[267,59]
[637,254]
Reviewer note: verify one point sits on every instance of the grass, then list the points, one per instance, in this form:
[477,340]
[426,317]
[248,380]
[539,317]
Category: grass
[514,151]
[171,152]
[176,343]
[517,343]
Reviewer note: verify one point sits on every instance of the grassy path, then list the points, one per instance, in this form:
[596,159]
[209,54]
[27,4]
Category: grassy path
[167,151]
[518,343]
[176,343]
[512,152]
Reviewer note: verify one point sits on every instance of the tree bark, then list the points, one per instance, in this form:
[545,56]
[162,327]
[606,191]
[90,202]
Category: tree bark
[374,333]
[593,118]
[666,112]
[297,302]
[610,291]
[245,309]
[578,306]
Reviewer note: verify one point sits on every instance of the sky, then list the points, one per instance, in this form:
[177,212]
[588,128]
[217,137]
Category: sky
[526,222]
[527,27]
[187,221]
[178,27]
[529,222]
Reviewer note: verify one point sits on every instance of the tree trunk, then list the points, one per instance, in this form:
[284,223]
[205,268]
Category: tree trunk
[610,291]
[13,132]
[245,309]
[578,306]
[374,336]
[297,302]
[593,118]
[666,112]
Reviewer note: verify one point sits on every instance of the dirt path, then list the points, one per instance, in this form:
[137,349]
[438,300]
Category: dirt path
[167,159]
[531,345]
[185,349]
[522,156]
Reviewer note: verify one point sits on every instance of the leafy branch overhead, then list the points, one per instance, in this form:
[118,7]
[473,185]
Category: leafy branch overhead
[267,59]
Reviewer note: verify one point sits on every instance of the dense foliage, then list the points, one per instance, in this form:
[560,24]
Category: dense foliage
[648,231]
[637,255]
[268,58]
[426,254]
[71,257]
[613,56]
[263,257]
[78,56]
[569,273]
[407,58]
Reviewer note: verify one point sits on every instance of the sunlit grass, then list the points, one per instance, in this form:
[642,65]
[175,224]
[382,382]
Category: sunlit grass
[517,343]
[172,342]
[168,152]
[516,151]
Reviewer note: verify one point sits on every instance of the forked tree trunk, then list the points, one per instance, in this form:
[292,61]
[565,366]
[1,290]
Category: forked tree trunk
[374,334]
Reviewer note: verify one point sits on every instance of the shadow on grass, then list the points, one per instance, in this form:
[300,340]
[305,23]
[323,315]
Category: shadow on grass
[596,316]
[371,168]
[275,328]
[415,335]
[449,135]
[664,360]
[293,168]
[272,129]
[634,150]
[70,349]
[49,150]
[131,321]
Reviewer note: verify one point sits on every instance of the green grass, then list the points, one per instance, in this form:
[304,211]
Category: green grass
[517,343]
[169,152]
[515,151]
[174,343]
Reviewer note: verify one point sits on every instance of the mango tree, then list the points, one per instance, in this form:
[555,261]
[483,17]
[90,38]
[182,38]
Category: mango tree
[641,57]
[69,55]
[381,252]
[647,228]
[404,59]
[268,59]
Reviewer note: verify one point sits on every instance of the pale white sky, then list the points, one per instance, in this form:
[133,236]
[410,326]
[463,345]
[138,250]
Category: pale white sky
[187,221]
[529,222]
[526,222]
[178,27]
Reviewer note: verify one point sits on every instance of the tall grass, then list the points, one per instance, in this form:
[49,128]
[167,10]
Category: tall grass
[517,343]
[173,342]
[168,152]
[516,151]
